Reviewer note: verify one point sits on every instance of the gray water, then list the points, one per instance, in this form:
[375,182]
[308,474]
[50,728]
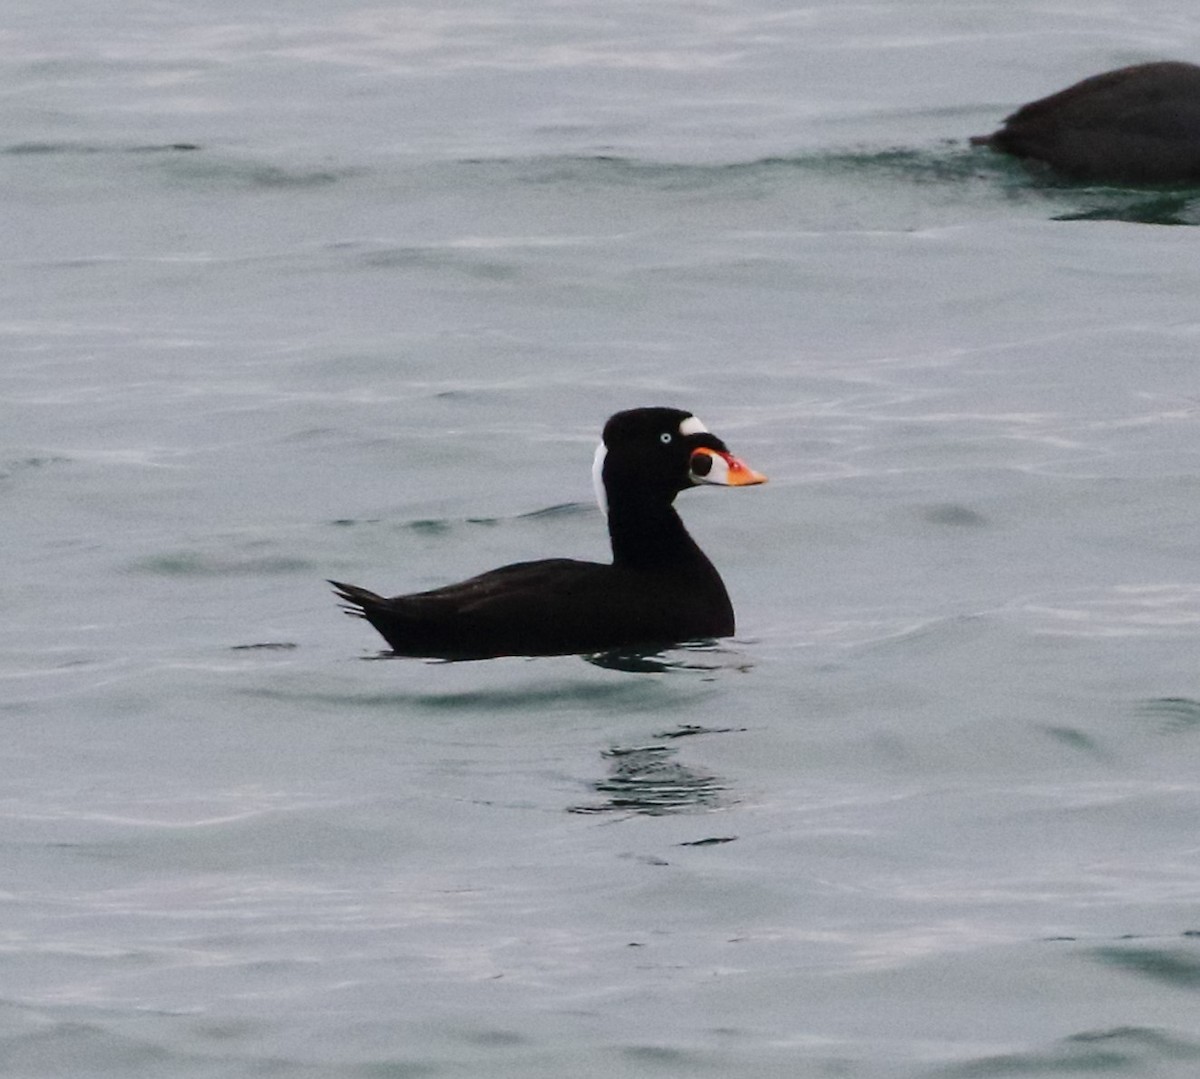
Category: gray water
[307,290]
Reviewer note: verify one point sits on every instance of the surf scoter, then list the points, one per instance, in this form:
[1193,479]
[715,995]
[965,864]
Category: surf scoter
[1138,125]
[660,588]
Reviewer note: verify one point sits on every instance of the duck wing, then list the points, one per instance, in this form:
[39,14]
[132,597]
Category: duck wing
[557,606]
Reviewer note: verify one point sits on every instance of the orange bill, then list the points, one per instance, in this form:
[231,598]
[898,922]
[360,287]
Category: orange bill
[713,466]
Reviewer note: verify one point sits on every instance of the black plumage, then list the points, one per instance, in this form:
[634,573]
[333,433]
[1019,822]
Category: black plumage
[659,589]
[1134,125]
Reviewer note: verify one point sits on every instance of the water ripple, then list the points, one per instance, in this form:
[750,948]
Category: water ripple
[195,564]
[1128,610]
[1175,967]
[648,780]
[1128,1050]
[1176,715]
[625,695]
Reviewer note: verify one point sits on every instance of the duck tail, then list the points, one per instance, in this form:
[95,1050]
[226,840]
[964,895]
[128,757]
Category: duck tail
[356,601]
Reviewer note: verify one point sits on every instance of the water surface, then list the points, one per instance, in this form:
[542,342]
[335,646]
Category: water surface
[347,291]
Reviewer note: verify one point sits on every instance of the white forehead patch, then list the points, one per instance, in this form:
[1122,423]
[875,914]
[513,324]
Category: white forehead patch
[692,426]
[598,478]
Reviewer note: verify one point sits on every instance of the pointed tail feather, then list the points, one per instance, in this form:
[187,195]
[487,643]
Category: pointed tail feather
[356,600]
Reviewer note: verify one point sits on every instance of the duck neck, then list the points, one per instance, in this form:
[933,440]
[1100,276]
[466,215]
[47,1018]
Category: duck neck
[647,534]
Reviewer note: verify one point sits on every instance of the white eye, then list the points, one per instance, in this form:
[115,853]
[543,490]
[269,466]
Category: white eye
[665,437]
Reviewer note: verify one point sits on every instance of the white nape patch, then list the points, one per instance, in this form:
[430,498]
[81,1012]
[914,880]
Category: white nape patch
[692,426]
[598,478]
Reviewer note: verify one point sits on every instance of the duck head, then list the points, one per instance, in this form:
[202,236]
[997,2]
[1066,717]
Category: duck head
[654,453]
